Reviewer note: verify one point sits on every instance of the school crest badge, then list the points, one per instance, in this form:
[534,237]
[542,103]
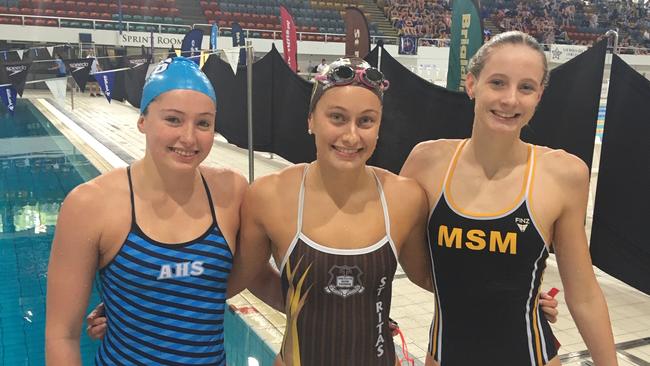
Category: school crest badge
[345,281]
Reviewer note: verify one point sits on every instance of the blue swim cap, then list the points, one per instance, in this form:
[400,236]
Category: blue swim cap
[175,73]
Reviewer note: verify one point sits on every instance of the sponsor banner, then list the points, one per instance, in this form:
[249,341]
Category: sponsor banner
[289,41]
[214,35]
[106,81]
[357,36]
[16,74]
[8,96]
[191,46]
[466,39]
[79,68]
[135,60]
[239,39]
[562,53]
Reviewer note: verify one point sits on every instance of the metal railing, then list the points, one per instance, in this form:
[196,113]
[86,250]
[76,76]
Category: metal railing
[127,25]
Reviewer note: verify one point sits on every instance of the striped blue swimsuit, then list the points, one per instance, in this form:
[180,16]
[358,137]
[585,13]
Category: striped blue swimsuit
[165,302]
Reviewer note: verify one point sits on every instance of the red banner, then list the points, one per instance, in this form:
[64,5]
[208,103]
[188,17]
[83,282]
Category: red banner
[289,44]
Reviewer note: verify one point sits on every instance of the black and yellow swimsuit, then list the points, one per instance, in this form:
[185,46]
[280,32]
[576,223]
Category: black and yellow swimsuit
[487,275]
[338,300]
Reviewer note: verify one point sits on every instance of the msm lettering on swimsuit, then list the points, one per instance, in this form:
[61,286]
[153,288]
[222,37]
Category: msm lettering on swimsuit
[182,269]
[475,239]
[379,310]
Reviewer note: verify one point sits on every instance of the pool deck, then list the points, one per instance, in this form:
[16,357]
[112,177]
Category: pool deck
[107,135]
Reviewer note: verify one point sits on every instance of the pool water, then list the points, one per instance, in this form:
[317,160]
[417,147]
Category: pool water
[38,167]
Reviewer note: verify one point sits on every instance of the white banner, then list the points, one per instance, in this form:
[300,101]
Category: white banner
[50,50]
[232,55]
[57,87]
[20,53]
[562,53]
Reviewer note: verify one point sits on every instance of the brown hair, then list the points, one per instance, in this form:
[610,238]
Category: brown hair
[477,62]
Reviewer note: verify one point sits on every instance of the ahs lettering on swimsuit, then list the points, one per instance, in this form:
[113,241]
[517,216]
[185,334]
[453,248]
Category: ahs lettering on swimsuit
[479,240]
[179,270]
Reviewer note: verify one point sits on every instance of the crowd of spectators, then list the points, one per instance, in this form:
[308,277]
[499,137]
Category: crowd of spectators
[421,18]
[551,21]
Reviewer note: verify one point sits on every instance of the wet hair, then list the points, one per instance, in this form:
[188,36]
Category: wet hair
[320,87]
[478,61]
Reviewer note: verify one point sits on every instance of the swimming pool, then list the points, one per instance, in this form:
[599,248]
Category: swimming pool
[38,167]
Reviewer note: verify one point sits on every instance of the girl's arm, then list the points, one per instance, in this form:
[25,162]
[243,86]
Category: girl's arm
[582,293]
[73,262]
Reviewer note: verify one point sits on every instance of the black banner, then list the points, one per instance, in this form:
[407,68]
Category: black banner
[280,106]
[16,74]
[619,240]
[80,70]
[566,117]
[414,109]
[134,83]
[119,88]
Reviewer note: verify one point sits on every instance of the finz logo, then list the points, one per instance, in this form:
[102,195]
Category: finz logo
[522,223]
[78,66]
[15,69]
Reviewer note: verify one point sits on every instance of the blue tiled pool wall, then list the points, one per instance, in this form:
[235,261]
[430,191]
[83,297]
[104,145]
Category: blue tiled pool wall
[242,342]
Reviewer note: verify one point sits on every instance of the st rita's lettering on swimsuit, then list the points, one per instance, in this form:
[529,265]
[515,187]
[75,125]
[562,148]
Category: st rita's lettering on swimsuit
[182,269]
[379,307]
[475,239]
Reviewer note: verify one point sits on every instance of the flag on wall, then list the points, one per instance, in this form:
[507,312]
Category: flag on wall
[408,45]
